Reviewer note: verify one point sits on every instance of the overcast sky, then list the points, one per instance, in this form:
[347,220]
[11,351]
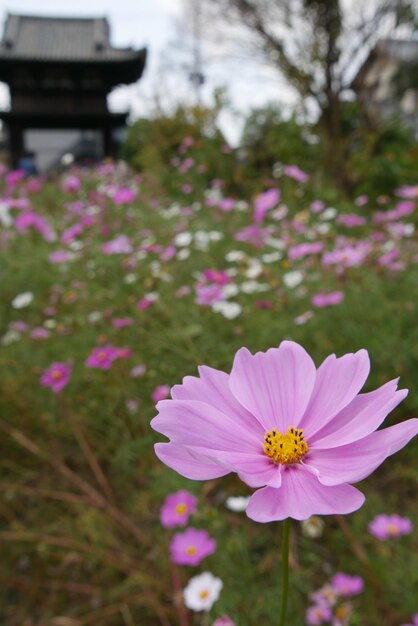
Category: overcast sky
[152,23]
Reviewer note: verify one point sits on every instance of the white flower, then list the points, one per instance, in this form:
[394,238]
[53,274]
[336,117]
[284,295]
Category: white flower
[229,310]
[5,218]
[252,286]
[313,527]
[303,318]
[272,257]
[22,300]
[292,279]
[183,254]
[10,337]
[255,268]
[94,316]
[230,290]
[234,255]
[202,591]
[76,245]
[215,235]
[183,239]
[277,244]
[323,229]
[328,214]
[130,278]
[237,504]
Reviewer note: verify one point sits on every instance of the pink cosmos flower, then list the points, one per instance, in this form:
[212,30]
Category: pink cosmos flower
[145,303]
[30,219]
[317,206]
[264,202]
[350,220]
[191,547]
[138,370]
[299,434]
[71,184]
[414,621]
[220,277]
[253,235]
[177,509]
[56,377]
[346,586]
[59,256]
[293,171]
[103,357]
[208,294]
[124,195]
[119,245]
[161,392]
[321,300]
[389,526]
[318,614]
[122,322]
[361,200]
[223,621]
[39,333]
[304,249]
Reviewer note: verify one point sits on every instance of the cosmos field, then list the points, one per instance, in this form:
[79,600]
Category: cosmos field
[116,285]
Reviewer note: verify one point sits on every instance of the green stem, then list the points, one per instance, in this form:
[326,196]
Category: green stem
[285,571]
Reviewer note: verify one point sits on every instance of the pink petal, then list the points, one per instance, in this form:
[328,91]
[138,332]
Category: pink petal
[212,387]
[180,459]
[338,381]
[194,423]
[355,461]
[300,496]
[275,386]
[361,417]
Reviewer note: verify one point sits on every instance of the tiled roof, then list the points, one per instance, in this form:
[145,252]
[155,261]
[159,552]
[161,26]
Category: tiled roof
[60,39]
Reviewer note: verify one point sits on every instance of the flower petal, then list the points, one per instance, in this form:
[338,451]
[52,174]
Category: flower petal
[355,461]
[194,423]
[338,381]
[275,386]
[361,417]
[180,459]
[212,387]
[300,496]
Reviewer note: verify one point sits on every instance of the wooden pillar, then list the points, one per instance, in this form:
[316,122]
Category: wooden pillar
[16,143]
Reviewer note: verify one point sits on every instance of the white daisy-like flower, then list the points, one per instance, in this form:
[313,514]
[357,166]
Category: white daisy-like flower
[202,591]
[183,239]
[237,504]
[234,255]
[183,254]
[22,300]
[230,310]
[292,279]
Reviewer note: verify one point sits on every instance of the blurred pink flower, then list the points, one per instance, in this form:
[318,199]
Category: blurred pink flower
[177,509]
[102,357]
[390,526]
[414,621]
[119,245]
[122,322]
[318,614]
[161,392]
[220,277]
[39,333]
[59,256]
[223,621]
[264,202]
[321,300]
[124,195]
[361,200]
[29,219]
[191,547]
[350,220]
[293,171]
[304,249]
[346,586]
[138,370]
[284,426]
[56,377]
[71,184]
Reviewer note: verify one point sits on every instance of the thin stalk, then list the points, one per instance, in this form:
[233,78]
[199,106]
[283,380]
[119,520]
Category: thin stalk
[285,571]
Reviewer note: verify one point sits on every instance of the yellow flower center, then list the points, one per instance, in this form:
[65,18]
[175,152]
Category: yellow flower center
[102,356]
[392,529]
[204,594]
[181,509]
[56,375]
[191,550]
[285,449]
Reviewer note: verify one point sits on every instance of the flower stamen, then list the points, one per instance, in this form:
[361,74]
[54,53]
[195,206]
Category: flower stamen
[285,448]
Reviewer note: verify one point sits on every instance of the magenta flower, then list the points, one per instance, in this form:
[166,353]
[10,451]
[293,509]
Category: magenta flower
[293,171]
[122,322]
[223,621]
[191,547]
[321,300]
[414,621]
[298,433]
[161,392]
[56,377]
[389,526]
[119,245]
[318,614]
[304,249]
[124,195]
[177,509]
[71,184]
[264,202]
[346,586]
[103,357]
[59,256]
